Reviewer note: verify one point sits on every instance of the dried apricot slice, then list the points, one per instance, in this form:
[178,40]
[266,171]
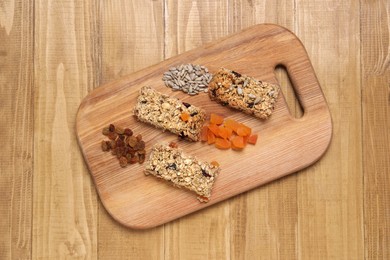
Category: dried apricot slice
[252,139]
[232,124]
[229,131]
[223,132]
[216,119]
[221,143]
[185,116]
[210,137]
[243,130]
[215,163]
[238,142]
[203,133]
[214,129]
[245,139]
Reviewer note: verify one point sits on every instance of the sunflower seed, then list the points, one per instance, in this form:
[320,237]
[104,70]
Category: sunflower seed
[245,83]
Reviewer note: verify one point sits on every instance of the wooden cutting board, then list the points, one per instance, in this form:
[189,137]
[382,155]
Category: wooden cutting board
[286,144]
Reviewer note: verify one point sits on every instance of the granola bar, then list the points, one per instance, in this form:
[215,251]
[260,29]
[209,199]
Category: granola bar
[182,170]
[244,93]
[162,111]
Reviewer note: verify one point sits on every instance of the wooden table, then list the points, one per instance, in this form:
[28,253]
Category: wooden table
[53,54]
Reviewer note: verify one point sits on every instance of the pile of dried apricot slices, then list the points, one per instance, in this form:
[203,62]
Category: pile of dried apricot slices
[227,133]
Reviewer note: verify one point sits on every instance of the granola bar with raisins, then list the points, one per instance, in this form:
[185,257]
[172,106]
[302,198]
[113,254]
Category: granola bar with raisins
[182,170]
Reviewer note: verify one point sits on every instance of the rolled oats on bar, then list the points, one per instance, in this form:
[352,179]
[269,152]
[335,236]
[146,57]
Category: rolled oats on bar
[182,170]
[244,93]
[168,113]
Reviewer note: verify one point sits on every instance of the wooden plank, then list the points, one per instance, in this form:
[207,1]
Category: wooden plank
[132,38]
[16,128]
[65,207]
[330,201]
[375,59]
[263,221]
[190,24]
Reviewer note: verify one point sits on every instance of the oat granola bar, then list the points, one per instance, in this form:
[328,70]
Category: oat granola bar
[245,93]
[162,111]
[182,170]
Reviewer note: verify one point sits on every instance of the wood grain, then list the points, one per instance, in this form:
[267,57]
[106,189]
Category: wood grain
[330,201]
[335,209]
[264,219]
[375,59]
[65,211]
[285,147]
[188,25]
[16,128]
[132,38]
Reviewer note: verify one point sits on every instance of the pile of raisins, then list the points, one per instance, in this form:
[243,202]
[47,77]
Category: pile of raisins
[128,148]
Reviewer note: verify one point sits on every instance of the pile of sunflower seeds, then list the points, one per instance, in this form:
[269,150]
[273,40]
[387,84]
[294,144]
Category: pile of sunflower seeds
[189,78]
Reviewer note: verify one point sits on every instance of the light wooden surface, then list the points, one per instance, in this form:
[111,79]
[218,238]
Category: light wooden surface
[52,54]
[286,144]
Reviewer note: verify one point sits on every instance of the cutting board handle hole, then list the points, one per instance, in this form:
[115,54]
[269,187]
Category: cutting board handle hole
[289,94]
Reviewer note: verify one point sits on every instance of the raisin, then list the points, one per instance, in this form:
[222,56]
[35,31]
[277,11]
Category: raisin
[111,128]
[128,132]
[187,105]
[236,74]
[131,151]
[132,141]
[106,130]
[172,166]
[120,151]
[128,157]
[182,135]
[123,161]
[112,144]
[112,135]
[173,145]
[194,113]
[139,137]
[205,174]
[120,143]
[134,159]
[251,104]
